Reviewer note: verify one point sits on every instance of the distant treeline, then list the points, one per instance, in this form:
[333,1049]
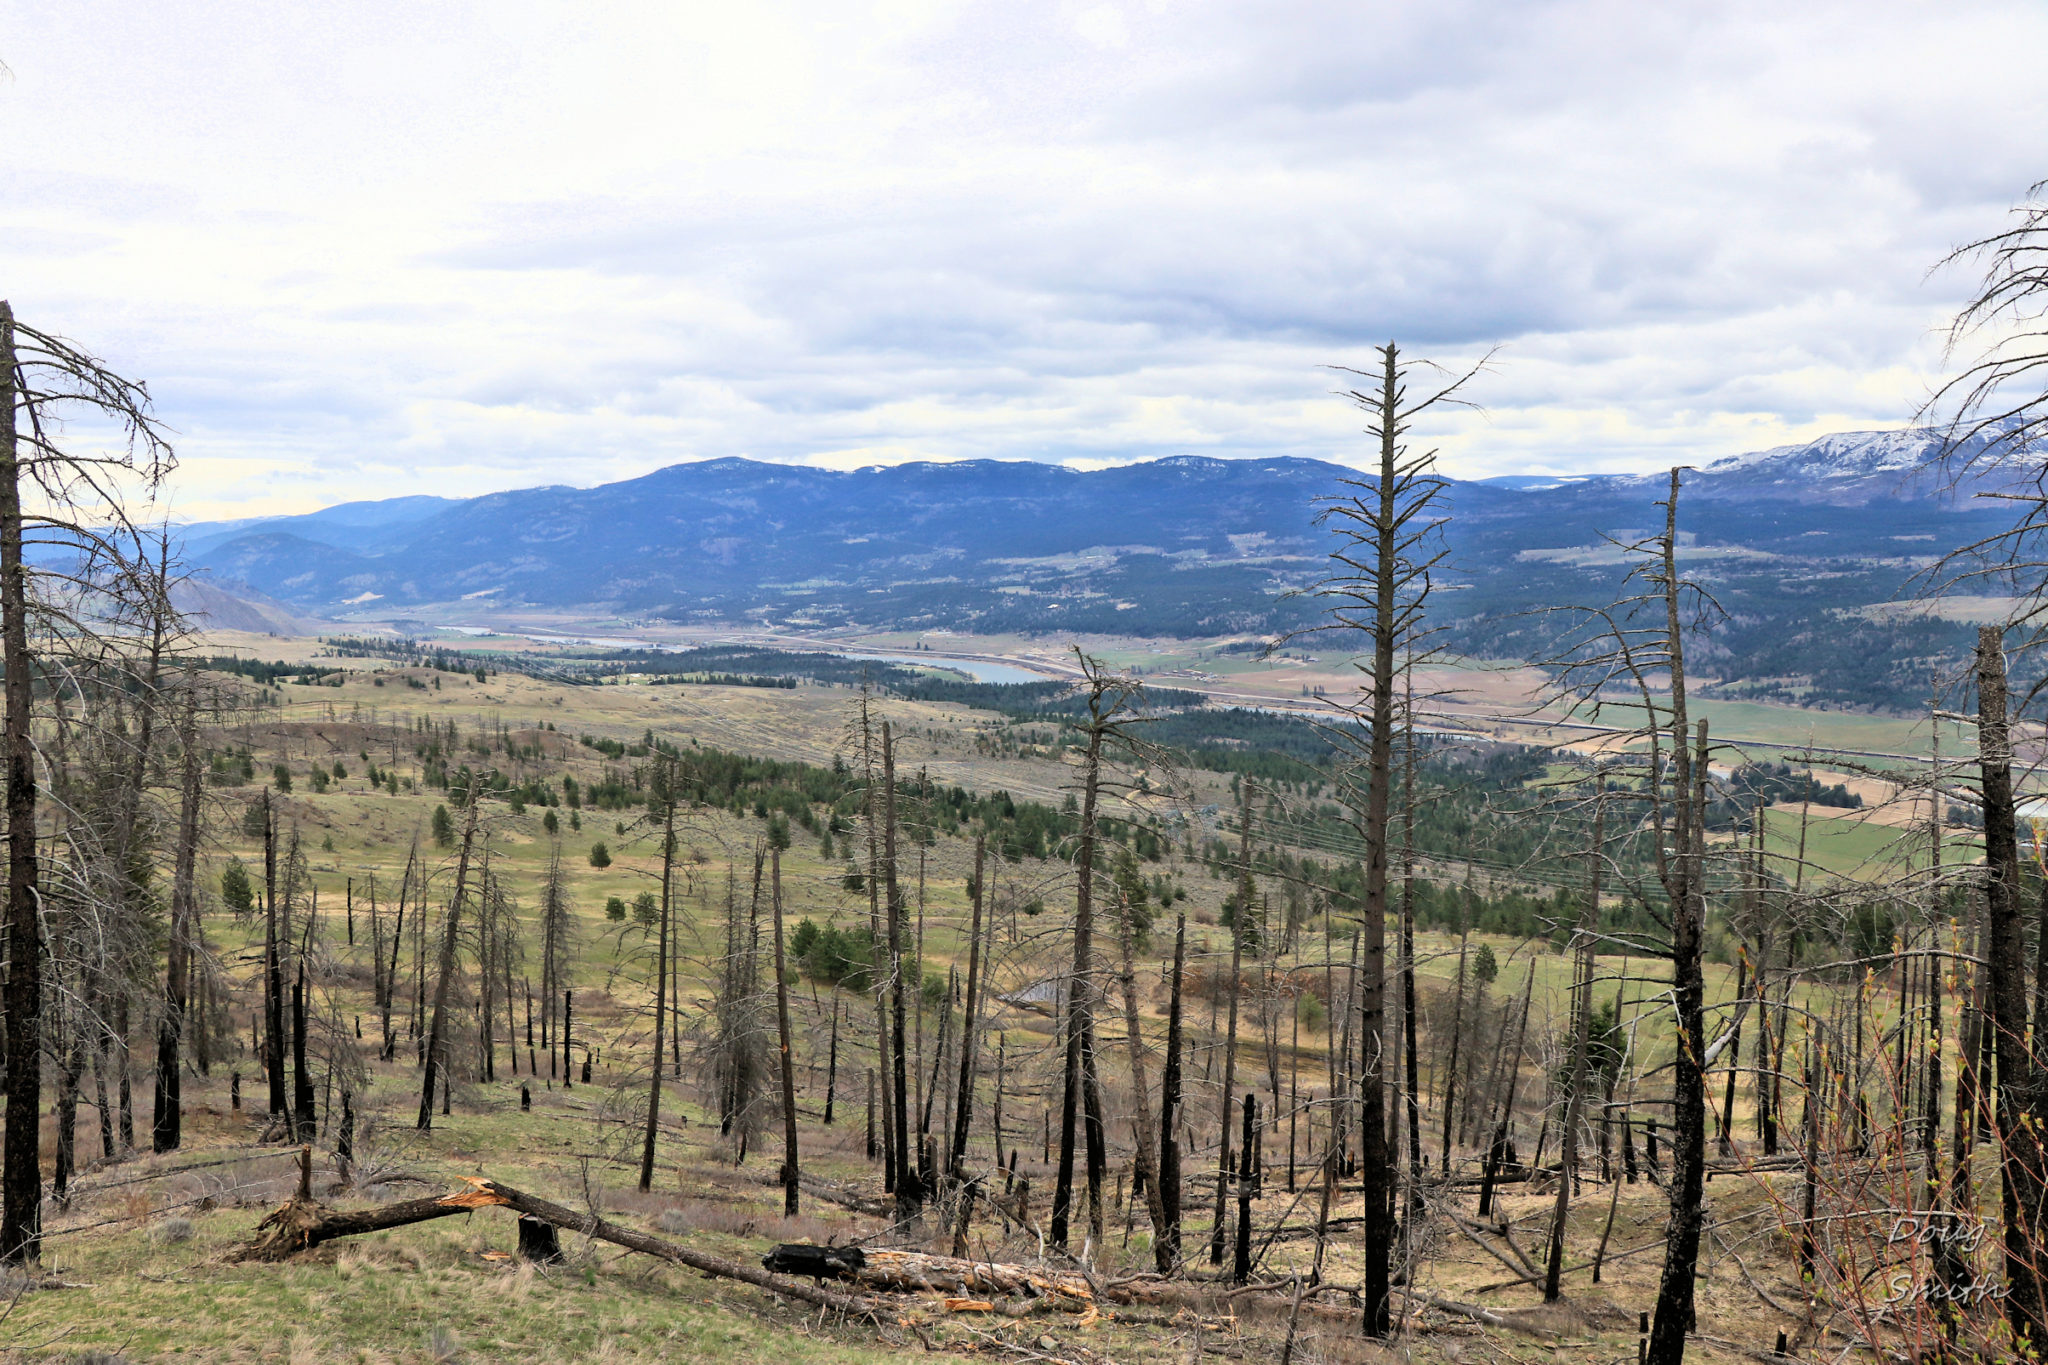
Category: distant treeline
[268,674]
[413,654]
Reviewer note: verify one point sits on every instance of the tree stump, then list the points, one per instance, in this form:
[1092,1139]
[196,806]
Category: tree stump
[537,1241]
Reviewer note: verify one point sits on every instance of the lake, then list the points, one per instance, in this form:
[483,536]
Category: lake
[978,669]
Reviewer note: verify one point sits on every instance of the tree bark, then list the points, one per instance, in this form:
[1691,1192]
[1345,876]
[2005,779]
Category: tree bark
[2015,1120]
[21,1178]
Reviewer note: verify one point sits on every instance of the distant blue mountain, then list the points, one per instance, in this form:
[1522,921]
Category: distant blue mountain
[1805,537]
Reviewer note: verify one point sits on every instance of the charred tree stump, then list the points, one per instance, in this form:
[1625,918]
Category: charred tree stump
[537,1241]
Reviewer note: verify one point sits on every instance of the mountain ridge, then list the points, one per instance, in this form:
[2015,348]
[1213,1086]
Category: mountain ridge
[1796,540]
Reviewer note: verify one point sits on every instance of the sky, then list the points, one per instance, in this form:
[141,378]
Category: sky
[368,249]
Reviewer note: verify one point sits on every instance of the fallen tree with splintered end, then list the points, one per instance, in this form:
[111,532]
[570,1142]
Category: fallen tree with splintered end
[303,1223]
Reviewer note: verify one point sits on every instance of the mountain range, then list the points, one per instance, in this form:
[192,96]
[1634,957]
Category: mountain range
[1803,545]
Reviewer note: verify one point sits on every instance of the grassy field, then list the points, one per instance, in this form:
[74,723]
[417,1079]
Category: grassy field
[154,1237]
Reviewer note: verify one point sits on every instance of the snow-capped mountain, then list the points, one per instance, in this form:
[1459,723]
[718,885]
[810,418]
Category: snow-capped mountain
[1851,469]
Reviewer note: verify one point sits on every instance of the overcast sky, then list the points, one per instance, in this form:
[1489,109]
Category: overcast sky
[366,249]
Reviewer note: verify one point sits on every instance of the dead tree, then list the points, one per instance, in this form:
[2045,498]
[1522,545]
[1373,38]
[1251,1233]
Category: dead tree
[166,1130]
[1240,929]
[275,937]
[71,507]
[1581,1039]
[791,1171]
[665,794]
[2018,1112]
[1386,525]
[909,1187]
[969,1038]
[1635,643]
[1108,699]
[1144,1171]
[435,1057]
[1166,1237]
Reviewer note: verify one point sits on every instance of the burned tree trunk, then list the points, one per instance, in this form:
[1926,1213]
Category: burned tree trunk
[2017,1113]
[1166,1237]
[435,1057]
[909,1188]
[791,1171]
[1146,1172]
[668,863]
[969,1040]
[273,974]
[1238,929]
[168,1114]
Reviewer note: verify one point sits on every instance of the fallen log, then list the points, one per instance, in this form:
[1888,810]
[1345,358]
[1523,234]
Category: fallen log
[918,1272]
[834,1194]
[590,1225]
[303,1223]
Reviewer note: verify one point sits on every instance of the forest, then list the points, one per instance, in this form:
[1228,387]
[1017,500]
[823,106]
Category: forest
[741,1002]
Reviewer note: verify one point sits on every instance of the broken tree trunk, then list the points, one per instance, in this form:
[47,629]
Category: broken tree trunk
[303,1223]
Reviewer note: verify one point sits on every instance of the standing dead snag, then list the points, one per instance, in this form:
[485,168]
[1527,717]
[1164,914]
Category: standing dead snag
[1581,1028]
[2016,1116]
[1386,524]
[909,1188]
[1166,1237]
[77,501]
[435,1057]
[665,778]
[1145,1172]
[791,1172]
[1109,700]
[969,1040]
[274,937]
[1239,928]
[166,1130]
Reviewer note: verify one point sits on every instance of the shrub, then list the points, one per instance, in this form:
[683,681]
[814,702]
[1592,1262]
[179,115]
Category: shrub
[600,856]
[615,909]
[281,776]
[170,1231]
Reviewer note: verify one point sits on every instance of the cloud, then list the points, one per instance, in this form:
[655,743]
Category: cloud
[378,249]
